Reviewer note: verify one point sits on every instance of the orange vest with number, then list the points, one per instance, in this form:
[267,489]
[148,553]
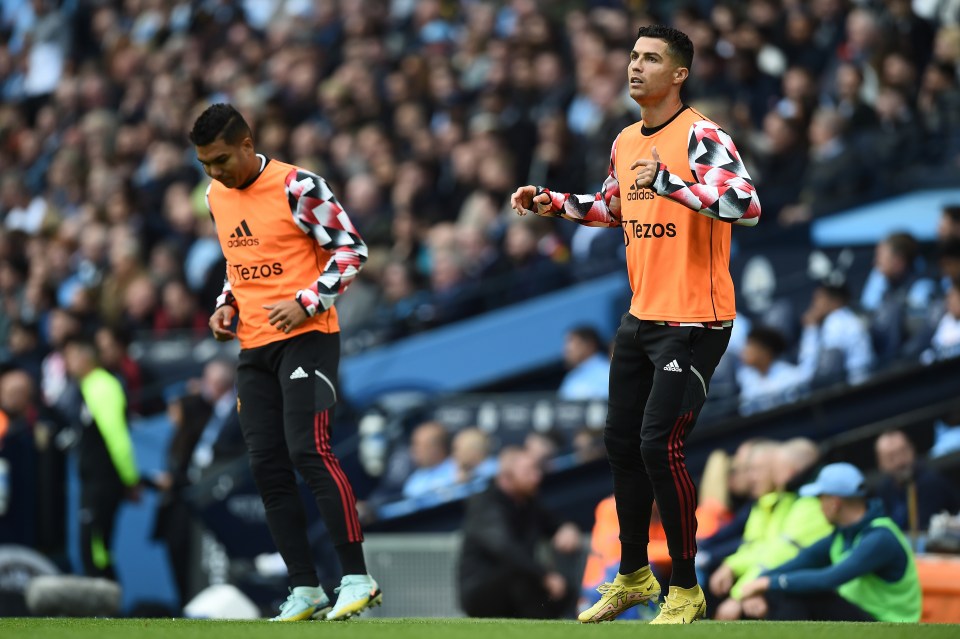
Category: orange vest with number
[678,260]
[269,257]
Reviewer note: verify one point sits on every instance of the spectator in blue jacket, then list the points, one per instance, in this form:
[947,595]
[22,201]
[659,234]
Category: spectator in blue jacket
[588,376]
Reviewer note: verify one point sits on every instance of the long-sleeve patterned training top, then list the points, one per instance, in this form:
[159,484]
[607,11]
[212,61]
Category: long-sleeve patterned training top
[677,233]
[285,236]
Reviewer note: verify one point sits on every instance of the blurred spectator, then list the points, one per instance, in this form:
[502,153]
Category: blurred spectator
[206,433]
[781,156]
[835,344]
[107,468]
[470,451]
[780,523]
[173,524]
[588,445]
[833,178]
[178,311]
[399,310]
[849,102]
[452,297]
[714,548]
[948,226]
[532,272]
[24,348]
[221,438]
[946,435]
[499,573]
[892,142]
[911,492]
[54,382]
[430,452]
[13,276]
[587,363]
[544,446]
[20,495]
[896,297]
[112,345]
[764,378]
[948,261]
[863,571]
[946,338]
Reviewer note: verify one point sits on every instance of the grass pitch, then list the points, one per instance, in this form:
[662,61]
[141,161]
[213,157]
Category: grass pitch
[66,628]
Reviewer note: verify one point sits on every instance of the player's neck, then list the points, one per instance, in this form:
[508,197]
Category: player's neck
[654,115]
[256,166]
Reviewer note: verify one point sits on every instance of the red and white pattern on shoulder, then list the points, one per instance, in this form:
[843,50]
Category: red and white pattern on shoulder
[316,210]
[724,189]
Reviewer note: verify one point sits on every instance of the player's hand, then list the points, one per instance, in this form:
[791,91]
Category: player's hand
[567,539]
[728,610]
[755,587]
[525,197]
[721,581]
[648,169]
[220,323]
[555,585]
[286,316]
[754,607]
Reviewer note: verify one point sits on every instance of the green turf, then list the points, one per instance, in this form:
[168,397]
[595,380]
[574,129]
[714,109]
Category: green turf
[21,628]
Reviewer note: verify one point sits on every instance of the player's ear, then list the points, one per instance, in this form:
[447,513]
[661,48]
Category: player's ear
[680,74]
[247,146]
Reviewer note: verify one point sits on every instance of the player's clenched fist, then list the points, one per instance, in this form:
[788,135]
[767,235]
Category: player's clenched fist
[648,170]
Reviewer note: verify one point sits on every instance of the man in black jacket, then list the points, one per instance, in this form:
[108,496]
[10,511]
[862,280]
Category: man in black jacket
[499,572]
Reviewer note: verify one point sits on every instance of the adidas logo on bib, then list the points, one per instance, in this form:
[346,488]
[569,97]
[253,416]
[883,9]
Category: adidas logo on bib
[673,367]
[299,373]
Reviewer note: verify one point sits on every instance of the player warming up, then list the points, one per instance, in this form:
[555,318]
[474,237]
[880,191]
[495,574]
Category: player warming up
[291,251]
[676,184]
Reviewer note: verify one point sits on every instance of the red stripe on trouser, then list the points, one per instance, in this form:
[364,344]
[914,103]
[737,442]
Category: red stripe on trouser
[686,493]
[321,435]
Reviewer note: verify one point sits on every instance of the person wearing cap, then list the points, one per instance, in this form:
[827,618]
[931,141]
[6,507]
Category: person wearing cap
[863,571]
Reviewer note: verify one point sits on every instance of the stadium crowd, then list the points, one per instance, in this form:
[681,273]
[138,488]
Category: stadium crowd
[424,115]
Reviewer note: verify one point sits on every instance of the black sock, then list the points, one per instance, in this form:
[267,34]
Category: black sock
[633,557]
[684,573]
[305,579]
[351,558]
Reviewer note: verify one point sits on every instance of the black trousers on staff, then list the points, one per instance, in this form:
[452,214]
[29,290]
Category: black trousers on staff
[821,606]
[284,397]
[659,378]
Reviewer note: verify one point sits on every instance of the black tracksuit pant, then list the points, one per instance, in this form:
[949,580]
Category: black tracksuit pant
[659,377]
[285,394]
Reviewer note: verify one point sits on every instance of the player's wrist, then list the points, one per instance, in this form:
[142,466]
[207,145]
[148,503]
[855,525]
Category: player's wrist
[659,179]
[543,209]
[226,299]
[309,302]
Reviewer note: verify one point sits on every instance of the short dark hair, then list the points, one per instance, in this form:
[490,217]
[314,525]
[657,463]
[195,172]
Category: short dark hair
[220,121]
[903,245]
[678,43]
[83,342]
[836,290]
[588,334]
[769,338]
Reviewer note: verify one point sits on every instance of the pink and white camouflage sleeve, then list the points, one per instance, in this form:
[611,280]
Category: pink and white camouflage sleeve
[316,210]
[723,190]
